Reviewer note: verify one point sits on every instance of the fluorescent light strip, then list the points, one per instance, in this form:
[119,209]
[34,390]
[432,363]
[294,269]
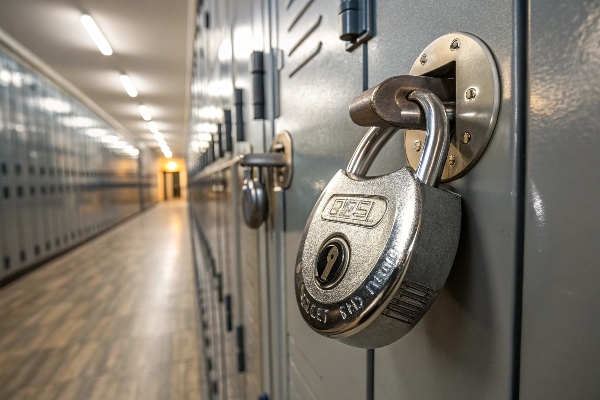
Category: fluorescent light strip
[128,85]
[145,112]
[153,127]
[97,36]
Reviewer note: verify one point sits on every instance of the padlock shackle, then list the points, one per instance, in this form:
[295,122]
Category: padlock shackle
[435,150]
[368,148]
[437,137]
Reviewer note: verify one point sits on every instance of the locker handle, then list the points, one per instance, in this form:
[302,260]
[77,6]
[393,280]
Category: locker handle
[276,160]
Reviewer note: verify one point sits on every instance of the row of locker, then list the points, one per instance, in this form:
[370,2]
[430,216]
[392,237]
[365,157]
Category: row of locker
[224,249]
[234,333]
[65,174]
[515,318]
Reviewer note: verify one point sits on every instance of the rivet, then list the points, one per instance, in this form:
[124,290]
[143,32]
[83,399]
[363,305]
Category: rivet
[424,59]
[455,45]
[471,93]
[451,160]
[418,145]
[465,138]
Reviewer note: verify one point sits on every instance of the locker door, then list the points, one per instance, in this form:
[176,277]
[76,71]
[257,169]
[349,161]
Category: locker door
[251,300]
[46,157]
[317,82]
[19,135]
[560,357]
[464,346]
[32,215]
[10,243]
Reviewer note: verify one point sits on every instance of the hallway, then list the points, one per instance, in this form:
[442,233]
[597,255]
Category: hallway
[114,319]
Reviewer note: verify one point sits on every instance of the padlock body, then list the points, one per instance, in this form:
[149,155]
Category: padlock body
[375,253]
[254,202]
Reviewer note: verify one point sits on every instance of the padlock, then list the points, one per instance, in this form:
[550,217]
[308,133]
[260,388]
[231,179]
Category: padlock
[376,251]
[254,200]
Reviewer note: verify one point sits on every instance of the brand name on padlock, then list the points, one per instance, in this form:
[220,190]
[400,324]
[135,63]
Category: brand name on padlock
[355,210]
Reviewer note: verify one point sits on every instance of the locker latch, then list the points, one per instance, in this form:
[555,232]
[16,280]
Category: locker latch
[278,163]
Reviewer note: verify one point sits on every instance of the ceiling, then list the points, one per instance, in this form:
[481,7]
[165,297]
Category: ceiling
[151,42]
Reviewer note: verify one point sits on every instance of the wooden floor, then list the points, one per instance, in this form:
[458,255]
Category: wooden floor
[114,319]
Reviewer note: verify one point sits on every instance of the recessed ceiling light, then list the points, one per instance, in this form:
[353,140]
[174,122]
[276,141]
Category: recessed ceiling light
[128,85]
[162,143]
[145,112]
[97,36]
[168,154]
[153,127]
[158,136]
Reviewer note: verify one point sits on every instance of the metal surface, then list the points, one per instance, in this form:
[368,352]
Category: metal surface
[387,104]
[268,160]
[279,159]
[402,235]
[368,149]
[254,200]
[324,139]
[61,180]
[282,143]
[367,15]
[432,162]
[468,334]
[437,137]
[474,68]
[560,356]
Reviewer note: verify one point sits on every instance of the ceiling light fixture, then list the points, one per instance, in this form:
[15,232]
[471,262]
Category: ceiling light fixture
[153,127]
[158,136]
[168,154]
[97,36]
[162,143]
[128,85]
[145,112]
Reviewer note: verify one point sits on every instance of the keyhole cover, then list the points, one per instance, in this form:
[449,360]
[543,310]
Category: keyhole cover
[332,262]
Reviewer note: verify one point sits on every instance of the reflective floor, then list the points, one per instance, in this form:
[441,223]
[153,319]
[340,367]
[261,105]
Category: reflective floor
[114,319]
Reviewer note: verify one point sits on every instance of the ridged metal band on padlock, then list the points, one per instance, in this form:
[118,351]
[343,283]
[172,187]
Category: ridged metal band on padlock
[377,250]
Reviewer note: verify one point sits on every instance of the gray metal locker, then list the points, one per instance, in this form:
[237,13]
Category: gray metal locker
[317,70]
[465,345]
[560,357]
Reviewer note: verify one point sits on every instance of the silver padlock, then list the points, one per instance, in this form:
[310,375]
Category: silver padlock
[254,200]
[376,251]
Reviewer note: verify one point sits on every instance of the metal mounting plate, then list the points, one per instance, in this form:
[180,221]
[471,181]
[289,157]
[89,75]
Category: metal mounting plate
[282,143]
[477,99]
